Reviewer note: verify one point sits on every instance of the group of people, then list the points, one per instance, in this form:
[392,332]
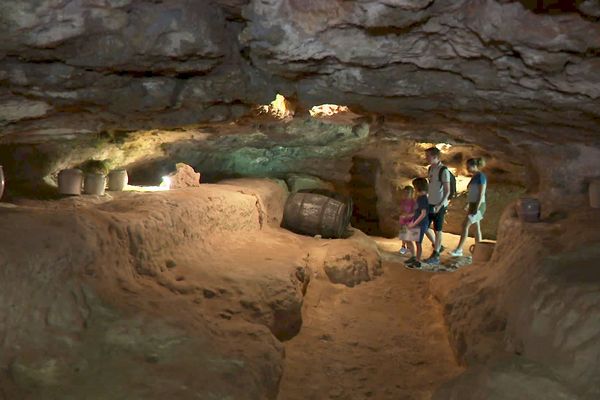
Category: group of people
[425,203]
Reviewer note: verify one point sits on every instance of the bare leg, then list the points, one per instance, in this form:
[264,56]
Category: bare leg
[465,234]
[419,250]
[411,247]
[478,237]
[429,234]
[438,241]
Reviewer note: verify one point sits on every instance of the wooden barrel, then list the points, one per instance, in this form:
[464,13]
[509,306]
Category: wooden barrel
[315,214]
[528,209]
[334,195]
[594,191]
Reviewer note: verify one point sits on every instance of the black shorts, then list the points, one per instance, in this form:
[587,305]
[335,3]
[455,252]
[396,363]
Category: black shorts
[437,218]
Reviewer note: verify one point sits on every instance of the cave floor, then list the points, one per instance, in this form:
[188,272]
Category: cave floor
[383,339]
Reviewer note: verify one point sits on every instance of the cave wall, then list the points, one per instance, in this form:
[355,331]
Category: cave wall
[531,307]
[520,83]
[493,68]
[501,75]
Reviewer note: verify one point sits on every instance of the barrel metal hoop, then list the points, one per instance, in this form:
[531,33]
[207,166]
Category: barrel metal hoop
[339,224]
[299,212]
[321,227]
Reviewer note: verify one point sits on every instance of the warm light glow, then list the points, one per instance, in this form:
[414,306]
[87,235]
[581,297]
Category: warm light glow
[133,188]
[278,108]
[444,147]
[326,110]
[166,183]
[461,181]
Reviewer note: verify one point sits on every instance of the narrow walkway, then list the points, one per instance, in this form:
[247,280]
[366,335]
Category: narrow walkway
[383,339]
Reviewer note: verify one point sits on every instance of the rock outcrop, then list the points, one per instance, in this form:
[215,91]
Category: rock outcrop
[136,300]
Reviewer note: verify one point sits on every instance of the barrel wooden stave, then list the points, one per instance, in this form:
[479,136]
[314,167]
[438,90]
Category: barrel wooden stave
[315,214]
[334,195]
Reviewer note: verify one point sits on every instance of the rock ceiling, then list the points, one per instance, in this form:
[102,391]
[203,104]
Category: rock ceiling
[469,68]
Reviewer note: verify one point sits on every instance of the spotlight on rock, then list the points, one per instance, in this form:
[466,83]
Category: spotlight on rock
[327,110]
[279,108]
[166,183]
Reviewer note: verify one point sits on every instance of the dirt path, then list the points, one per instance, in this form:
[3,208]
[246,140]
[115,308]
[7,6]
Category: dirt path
[383,339]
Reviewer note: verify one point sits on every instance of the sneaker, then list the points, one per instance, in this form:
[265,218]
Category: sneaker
[456,253]
[411,260]
[433,260]
[434,254]
[415,265]
[442,248]
[403,250]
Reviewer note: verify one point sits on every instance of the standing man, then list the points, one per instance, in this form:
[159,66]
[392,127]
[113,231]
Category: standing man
[439,192]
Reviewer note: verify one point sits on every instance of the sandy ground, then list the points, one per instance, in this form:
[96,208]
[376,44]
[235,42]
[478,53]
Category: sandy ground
[383,339]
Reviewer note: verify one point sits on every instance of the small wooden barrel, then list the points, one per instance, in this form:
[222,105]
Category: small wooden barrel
[117,180]
[528,209]
[334,195]
[315,214]
[594,191]
[70,181]
[94,184]
[482,251]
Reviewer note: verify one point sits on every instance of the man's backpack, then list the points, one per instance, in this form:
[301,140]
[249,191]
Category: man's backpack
[452,181]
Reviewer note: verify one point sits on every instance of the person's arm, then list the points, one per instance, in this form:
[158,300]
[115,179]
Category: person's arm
[418,220]
[446,188]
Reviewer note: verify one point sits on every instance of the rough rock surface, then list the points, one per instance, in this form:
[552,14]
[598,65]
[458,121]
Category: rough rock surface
[270,196]
[484,72]
[183,177]
[536,298]
[299,182]
[352,261]
[471,68]
[133,301]
[510,379]
[150,295]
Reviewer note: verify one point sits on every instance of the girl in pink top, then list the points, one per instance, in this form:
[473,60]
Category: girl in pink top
[407,209]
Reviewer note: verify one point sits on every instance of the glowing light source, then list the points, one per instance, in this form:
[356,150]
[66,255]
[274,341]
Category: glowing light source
[279,108]
[461,181]
[166,183]
[326,110]
[444,147]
